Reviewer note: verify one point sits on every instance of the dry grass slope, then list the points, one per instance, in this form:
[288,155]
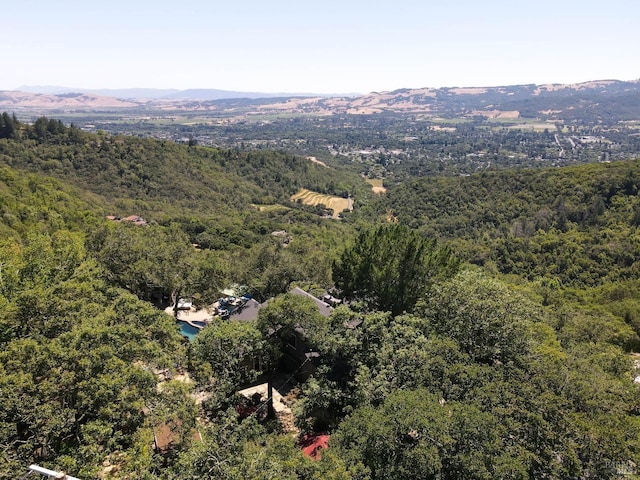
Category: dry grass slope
[376,185]
[337,204]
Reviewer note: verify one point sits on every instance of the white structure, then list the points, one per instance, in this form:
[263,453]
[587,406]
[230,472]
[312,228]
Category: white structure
[50,473]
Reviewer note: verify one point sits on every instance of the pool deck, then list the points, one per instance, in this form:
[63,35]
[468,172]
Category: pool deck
[244,309]
[191,315]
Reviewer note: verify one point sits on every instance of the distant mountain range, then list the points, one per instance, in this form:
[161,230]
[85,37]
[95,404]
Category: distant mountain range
[612,99]
[77,101]
[203,94]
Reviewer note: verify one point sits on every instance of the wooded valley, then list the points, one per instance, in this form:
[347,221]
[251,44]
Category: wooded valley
[489,328]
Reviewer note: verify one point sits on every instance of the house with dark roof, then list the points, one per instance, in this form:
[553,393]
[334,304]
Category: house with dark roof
[324,308]
[247,311]
[299,355]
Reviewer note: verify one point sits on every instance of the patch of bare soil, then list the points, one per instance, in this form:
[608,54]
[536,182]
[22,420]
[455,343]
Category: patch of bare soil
[319,162]
[497,113]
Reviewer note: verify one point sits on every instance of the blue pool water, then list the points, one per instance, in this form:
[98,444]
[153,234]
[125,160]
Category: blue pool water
[188,331]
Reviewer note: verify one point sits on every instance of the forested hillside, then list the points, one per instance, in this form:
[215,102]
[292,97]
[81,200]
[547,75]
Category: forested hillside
[568,230]
[148,170]
[489,331]
[576,224]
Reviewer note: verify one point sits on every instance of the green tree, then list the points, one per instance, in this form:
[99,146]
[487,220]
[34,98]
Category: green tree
[9,126]
[416,435]
[487,319]
[75,378]
[227,355]
[234,450]
[391,267]
[270,269]
[286,313]
[142,258]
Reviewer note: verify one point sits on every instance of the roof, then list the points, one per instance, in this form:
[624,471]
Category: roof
[247,312]
[324,308]
[353,324]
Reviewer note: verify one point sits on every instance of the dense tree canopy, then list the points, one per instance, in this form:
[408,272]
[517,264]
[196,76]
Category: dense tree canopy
[76,357]
[391,267]
[227,355]
[474,384]
[518,367]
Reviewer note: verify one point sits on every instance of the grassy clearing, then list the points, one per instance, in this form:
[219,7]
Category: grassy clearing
[257,116]
[522,123]
[538,127]
[269,208]
[376,185]
[308,197]
[450,121]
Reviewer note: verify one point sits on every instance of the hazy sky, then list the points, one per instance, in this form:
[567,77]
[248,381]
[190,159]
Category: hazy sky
[325,46]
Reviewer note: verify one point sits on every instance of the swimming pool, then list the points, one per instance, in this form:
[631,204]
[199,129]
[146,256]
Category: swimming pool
[188,331]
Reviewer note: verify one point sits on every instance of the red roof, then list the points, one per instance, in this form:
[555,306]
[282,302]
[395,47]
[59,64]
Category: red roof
[313,443]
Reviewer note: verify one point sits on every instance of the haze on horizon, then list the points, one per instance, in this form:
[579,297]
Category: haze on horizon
[336,47]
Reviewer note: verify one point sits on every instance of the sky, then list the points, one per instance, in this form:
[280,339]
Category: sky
[328,46]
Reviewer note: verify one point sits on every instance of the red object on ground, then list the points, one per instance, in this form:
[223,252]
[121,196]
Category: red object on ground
[313,443]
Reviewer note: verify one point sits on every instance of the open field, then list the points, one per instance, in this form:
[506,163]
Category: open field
[337,204]
[376,185]
[452,121]
[538,127]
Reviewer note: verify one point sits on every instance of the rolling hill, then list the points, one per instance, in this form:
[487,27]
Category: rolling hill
[584,100]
